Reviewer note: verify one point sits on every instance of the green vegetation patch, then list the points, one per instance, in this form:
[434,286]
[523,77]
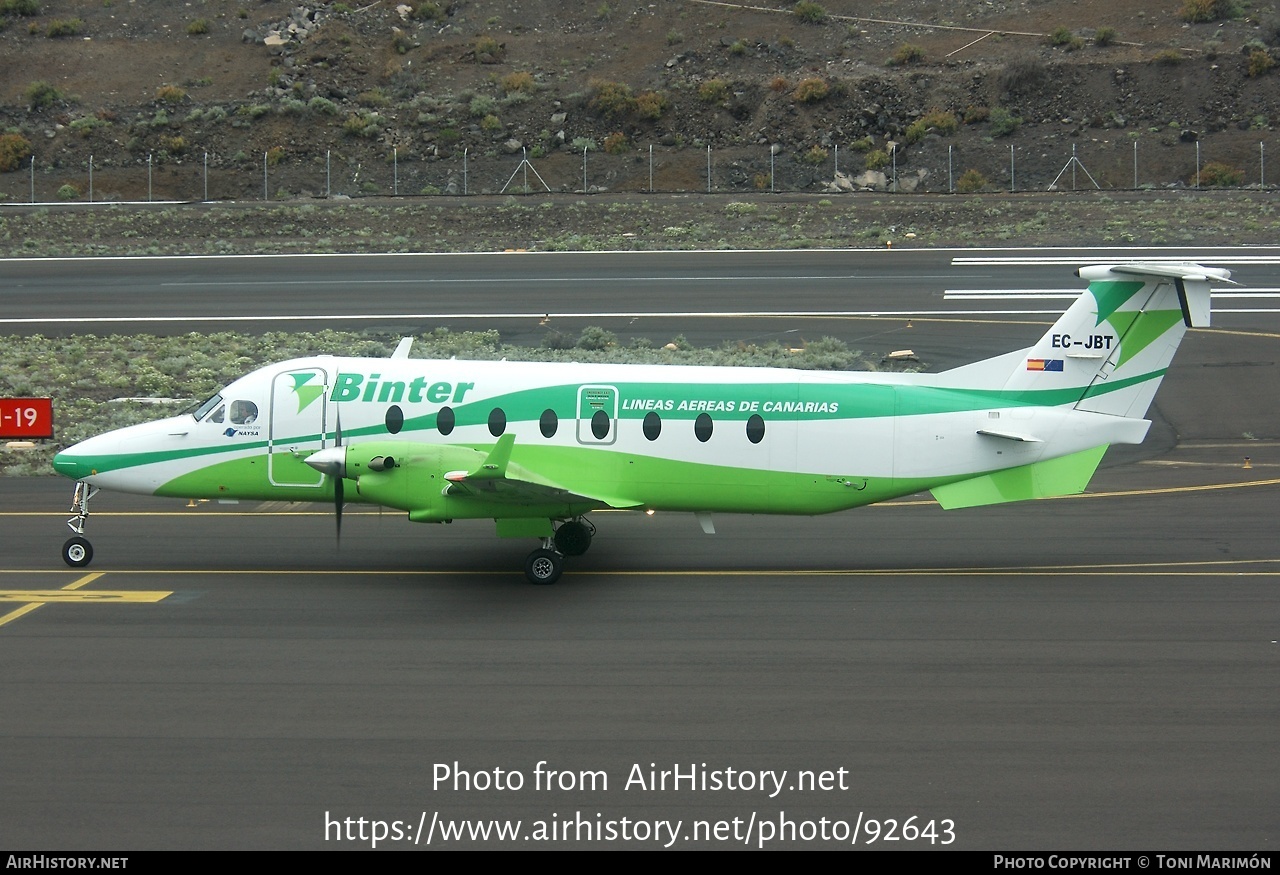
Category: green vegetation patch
[15,149]
[807,10]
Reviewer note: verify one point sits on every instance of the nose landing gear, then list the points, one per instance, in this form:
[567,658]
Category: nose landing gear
[77,551]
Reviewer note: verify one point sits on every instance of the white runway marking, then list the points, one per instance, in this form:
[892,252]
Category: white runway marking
[560,280]
[422,317]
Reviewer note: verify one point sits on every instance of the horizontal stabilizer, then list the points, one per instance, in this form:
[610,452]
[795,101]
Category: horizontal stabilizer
[1010,436]
[1065,475]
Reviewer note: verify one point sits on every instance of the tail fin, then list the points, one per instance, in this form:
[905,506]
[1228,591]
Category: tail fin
[1111,348]
[1089,380]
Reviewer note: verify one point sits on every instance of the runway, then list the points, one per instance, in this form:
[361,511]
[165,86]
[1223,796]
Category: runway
[1086,673]
[657,294]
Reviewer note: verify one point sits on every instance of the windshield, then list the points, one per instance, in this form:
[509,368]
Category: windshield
[200,412]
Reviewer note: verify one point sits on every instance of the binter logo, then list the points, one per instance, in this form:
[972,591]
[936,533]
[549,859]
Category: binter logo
[359,387]
[1137,329]
[306,394]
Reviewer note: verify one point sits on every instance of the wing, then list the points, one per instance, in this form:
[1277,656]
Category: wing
[497,479]
[437,482]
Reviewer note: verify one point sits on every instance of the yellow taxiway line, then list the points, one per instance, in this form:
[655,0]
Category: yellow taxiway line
[1256,567]
[72,592]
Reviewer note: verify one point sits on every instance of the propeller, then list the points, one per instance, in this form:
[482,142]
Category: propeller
[333,463]
[337,483]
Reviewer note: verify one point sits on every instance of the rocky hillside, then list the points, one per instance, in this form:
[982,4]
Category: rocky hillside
[272,98]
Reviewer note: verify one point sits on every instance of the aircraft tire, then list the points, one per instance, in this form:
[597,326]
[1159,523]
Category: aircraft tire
[544,567]
[77,552]
[573,538]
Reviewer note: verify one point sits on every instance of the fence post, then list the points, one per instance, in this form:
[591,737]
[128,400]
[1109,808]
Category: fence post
[1135,165]
[33,178]
[264,177]
[395,171]
[1013,180]
[651,168]
[148,177]
[206,176]
[90,179]
[1262,164]
[951,186]
[328,178]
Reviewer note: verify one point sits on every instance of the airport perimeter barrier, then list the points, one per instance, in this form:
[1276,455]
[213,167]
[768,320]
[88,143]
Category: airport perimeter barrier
[1119,162]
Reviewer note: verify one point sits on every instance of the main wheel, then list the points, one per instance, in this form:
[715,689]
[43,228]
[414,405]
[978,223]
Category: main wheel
[544,566]
[77,552]
[573,538]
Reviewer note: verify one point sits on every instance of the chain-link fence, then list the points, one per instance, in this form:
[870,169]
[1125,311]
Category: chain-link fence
[933,165]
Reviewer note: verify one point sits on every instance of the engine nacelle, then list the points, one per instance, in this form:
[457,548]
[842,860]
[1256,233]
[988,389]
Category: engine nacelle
[408,476]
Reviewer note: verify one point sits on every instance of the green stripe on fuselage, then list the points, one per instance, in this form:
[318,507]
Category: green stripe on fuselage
[670,485]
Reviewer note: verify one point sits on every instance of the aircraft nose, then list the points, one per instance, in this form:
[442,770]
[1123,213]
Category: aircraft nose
[68,465]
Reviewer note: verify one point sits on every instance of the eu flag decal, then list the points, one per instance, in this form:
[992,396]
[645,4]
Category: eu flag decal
[1044,364]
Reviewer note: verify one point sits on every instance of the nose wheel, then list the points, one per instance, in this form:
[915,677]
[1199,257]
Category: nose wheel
[77,552]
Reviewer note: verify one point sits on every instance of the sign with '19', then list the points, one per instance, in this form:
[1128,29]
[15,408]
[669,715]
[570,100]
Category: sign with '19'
[26,418]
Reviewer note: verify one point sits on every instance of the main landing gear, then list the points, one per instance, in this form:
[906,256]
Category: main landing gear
[77,551]
[573,538]
[546,564]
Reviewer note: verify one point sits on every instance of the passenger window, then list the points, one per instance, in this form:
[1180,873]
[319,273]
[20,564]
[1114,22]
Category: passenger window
[652,426]
[497,421]
[395,419]
[600,425]
[702,427]
[548,423]
[244,413]
[755,428]
[445,420]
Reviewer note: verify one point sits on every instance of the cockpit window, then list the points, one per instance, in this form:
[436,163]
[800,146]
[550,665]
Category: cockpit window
[200,412]
[244,413]
[219,414]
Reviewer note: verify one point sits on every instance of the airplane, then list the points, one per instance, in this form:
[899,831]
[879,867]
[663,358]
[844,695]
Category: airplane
[538,447]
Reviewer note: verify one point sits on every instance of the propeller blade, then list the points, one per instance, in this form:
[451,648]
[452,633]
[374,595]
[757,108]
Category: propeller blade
[337,484]
[337,505]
